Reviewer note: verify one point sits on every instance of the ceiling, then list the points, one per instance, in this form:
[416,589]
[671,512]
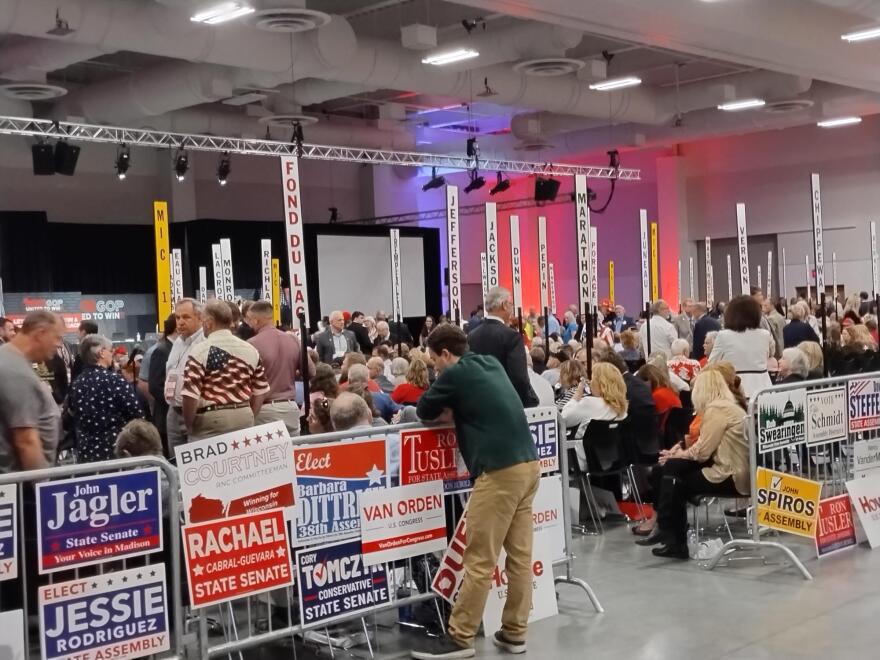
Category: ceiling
[143,63]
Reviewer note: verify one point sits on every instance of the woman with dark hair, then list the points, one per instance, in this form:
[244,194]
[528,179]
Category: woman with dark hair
[744,343]
[426,330]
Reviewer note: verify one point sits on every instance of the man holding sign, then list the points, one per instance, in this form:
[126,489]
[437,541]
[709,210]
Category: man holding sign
[497,447]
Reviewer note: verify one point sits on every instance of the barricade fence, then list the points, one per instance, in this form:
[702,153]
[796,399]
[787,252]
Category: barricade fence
[805,440]
[265,539]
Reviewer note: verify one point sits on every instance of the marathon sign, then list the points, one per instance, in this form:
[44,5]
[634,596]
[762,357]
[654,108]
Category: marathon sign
[787,503]
[8,534]
[432,454]
[235,557]
[334,583]
[113,616]
[864,404]
[89,520]
[542,426]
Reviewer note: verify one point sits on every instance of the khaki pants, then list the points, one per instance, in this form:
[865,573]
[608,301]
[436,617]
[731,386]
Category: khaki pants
[285,411]
[499,514]
[217,422]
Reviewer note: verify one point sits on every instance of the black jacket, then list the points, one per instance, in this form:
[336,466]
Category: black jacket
[363,337]
[702,327]
[796,332]
[504,344]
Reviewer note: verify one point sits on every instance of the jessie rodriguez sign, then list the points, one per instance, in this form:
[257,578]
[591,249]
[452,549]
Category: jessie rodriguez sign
[542,425]
[113,616]
[789,504]
[92,519]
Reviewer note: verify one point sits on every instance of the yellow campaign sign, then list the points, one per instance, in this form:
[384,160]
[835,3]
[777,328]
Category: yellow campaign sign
[788,503]
[276,292]
[611,281]
[655,284]
[163,261]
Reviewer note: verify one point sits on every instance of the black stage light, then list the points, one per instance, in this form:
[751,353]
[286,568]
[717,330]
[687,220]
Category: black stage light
[500,186]
[66,156]
[123,161]
[476,183]
[473,149]
[44,159]
[614,159]
[223,168]
[181,164]
[546,189]
[435,182]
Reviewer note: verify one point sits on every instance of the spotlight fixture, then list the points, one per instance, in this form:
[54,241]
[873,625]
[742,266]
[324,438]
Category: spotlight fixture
[473,149]
[745,104]
[222,13]
[435,182]
[839,121]
[181,164]
[123,161]
[546,189]
[614,159]
[223,168]
[476,183]
[861,35]
[500,186]
[450,57]
[615,83]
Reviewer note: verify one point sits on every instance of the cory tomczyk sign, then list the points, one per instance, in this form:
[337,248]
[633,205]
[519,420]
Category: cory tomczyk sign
[89,520]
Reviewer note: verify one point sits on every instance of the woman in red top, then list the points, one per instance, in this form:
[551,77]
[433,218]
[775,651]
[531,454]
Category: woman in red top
[411,390]
[664,396]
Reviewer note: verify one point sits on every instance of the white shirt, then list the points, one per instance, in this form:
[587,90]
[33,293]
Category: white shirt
[180,350]
[580,413]
[543,389]
[747,351]
[663,333]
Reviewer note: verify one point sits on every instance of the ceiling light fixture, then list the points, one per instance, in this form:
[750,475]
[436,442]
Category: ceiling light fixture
[861,35]
[223,168]
[615,83]
[222,13]
[451,56]
[123,161]
[181,164]
[501,185]
[435,182]
[745,104]
[839,121]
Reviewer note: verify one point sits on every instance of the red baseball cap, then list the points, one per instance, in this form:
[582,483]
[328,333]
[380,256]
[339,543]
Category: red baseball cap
[346,316]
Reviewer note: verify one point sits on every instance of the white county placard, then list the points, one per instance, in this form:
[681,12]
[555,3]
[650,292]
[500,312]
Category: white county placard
[400,522]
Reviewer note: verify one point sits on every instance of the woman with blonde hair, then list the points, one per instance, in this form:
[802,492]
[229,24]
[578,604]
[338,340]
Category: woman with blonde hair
[814,358]
[717,464]
[416,384]
[857,339]
[399,367]
[570,375]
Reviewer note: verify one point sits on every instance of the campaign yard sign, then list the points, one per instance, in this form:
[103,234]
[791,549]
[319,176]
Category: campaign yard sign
[866,457]
[400,522]
[865,496]
[432,455]
[88,520]
[826,416]
[235,557]
[334,582]
[788,503]
[8,534]
[781,418]
[542,425]
[864,404]
[328,479]
[115,616]
[836,530]
[236,473]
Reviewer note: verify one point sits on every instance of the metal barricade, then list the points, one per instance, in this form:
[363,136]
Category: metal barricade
[830,463]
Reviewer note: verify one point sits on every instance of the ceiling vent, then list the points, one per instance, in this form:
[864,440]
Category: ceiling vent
[548,66]
[288,19]
[792,105]
[31,91]
[288,120]
[248,95]
[536,145]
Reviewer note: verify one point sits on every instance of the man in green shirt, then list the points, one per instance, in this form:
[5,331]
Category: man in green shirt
[495,442]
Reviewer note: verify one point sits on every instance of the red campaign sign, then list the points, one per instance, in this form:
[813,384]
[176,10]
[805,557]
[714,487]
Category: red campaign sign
[432,455]
[235,557]
[836,529]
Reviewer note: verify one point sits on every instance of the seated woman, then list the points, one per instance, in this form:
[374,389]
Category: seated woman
[793,366]
[665,398]
[717,464]
[630,352]
[570,375]
[410,391]
[607,402]
[857,339]
[681,363]
[815,359]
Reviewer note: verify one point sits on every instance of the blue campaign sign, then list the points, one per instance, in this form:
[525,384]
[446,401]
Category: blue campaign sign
[111,616]
[89,520]
[8,534]
[334,583]
[542,424]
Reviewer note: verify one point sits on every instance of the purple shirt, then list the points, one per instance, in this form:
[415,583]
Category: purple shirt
[280,354]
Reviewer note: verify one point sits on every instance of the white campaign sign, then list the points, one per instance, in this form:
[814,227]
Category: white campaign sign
[9,540]
[865,496]
[484,274]
[834,275]
[594,265]
[396,283]
[176,276]
[217,259]
[808,275]
[819,251]
[552,290]
[12,625]
[826,416]
[769,273]
[710,280]
[743,241]
[400,522]
[203,284]
[265,269]
[875,266]
[582,211]
[729,280]
[543,262]
[866,458]
[760,279]
[515,262]
[293,224]
[226,259]
[453,254]
[491,245]
[643,240]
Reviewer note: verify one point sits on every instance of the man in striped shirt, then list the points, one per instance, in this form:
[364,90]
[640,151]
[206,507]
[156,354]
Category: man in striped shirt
[223,382]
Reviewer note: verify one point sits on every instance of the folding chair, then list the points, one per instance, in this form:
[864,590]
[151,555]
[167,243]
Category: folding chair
[677,424]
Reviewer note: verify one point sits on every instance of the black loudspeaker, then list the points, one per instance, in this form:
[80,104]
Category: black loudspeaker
[66,156]
[546,189]
[44,159]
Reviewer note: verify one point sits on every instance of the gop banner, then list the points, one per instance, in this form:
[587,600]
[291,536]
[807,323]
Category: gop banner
[115,616]
[432,455]
[328,479]
[8,534]
[542,425]
[234,557]
[235,473]
[334,583]
[89,520]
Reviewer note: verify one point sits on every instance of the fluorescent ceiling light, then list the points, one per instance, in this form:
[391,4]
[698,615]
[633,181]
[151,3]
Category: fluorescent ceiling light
[222,13]
[861,35]
[839,121]
[450,56]
[742,105]
[616,83]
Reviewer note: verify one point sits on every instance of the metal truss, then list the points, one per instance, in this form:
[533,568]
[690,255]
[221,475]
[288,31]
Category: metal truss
[46,128]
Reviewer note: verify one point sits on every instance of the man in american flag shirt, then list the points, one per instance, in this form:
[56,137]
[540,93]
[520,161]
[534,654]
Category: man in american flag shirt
[223,381]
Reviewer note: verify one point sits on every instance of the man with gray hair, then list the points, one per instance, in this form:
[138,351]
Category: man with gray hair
[349,411]
[335,341]
[494,337]
[188,314]
[662,331]
[359,379]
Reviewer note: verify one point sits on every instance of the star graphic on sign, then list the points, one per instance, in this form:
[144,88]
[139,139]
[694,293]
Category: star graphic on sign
[125,579]
[56,546]
[140,576]
[247,442]
[109,582]
[198,569]
[152,573]
[279,433]
[235,444]
[280,551]
[375,475]
[2,494]
[148,530]
[258,438]
[94,585]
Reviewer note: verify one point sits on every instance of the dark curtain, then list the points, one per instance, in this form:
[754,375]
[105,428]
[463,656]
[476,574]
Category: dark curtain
[25,252]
